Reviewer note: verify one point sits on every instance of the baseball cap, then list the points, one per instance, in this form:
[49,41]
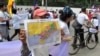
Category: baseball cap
[40,12]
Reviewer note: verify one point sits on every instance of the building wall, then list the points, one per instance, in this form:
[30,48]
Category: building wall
[76,10]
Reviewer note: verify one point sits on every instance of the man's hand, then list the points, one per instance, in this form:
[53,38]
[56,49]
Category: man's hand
[22,36]
[9,18]
[67,38]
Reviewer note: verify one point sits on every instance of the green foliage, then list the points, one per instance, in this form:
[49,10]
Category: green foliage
[72,3]
[57,3]
[17,2]
[97,3]
[77,4]
[24,2]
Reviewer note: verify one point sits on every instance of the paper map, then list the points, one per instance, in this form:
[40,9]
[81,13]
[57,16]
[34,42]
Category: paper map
[41,32]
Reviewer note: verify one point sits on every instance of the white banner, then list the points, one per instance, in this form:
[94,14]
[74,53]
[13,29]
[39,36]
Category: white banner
[23,16]
[12,48]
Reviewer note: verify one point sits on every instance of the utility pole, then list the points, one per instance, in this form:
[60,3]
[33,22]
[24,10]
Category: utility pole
[42,2]
[46,4]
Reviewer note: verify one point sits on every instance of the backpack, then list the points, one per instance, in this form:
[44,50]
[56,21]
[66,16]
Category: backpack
[76,24]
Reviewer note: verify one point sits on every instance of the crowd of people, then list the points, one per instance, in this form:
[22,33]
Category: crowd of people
[66,16]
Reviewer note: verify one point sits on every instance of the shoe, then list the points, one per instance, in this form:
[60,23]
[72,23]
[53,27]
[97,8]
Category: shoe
[1,40]
[88,41]
[83,46]
[56,44]
[97,41]
[50,55]
[9,39]
[8,28]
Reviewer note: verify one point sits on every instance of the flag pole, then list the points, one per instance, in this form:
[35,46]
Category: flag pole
[42,2]
[46,4]
[35,2]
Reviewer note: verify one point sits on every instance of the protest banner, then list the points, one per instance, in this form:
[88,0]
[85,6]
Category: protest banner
[42,32]
[12,48]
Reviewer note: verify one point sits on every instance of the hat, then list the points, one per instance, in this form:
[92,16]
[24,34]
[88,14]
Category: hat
[40,12]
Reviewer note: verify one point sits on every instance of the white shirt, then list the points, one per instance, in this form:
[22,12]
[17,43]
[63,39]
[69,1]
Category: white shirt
[16,21]
[23,17]
[81,18]
[3,16]
[95,22]
[51,15]
[64,26]
[6,15]
[98,17]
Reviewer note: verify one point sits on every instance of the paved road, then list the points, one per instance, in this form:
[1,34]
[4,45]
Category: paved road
[82,52]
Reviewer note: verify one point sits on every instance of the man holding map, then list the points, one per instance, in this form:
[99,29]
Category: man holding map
[41,51]
[41,33]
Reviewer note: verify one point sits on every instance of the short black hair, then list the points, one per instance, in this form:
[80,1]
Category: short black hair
[65,13]
[2,5]
[60,11]
[83,9]
[14,11]
[65,17]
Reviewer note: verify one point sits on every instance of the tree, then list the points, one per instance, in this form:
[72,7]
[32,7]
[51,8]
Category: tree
[73,3]
[22,2]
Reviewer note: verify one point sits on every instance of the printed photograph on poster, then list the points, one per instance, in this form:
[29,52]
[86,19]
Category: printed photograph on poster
[42,32]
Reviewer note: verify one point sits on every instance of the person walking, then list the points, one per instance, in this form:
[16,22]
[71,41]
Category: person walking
[16,23]
[3,27]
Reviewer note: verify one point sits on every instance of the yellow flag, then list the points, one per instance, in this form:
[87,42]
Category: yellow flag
[9,6]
